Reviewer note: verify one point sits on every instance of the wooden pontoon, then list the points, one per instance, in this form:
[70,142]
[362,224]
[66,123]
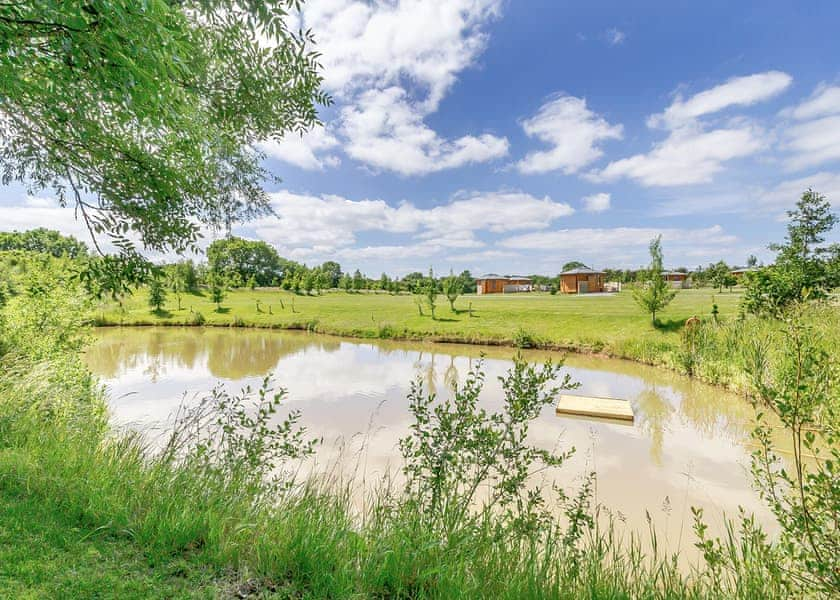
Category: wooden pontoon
[599,408]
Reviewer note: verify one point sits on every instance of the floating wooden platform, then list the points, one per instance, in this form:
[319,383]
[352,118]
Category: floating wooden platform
[599,408]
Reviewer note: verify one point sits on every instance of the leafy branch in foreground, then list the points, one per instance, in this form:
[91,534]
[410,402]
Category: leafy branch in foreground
[802,388]
[800,385]
[238,439]
[463,463]
[143,116]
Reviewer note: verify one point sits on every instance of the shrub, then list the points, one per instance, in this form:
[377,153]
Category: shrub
[524,339]
[197,318]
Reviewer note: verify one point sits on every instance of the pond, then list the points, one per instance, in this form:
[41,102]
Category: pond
[689,444]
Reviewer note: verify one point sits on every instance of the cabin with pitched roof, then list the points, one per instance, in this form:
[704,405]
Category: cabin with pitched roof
[677,279]
[503,284]
[582,280]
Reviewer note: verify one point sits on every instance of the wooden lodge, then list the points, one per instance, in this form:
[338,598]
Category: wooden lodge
[677,279]
[740,272]
[582,280]
[502,284]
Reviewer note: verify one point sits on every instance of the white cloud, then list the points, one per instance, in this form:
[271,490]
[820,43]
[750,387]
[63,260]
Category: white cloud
[614,37]
[596,203]
[815,139]
[738,91]
[624,246]
[813,142]
[693,153]
[824,101]
[759,201]
[784,195]
[45,212]
[309,151]
[317,225]
[572,129]
[379,44]
[386,131]
[615,238]
[686,157]
[389,63]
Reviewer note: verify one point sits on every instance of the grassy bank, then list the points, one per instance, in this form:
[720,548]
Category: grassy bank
[609,324]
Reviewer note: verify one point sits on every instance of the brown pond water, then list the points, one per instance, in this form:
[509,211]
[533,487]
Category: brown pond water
[689,445]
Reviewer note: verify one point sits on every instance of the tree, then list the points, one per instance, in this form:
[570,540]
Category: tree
[413,280]
[43,240]
[332,273]
[803,268]
[575,264]
[346,283]
[719,275]
[157,294]
[384,282]
[143,115]
[358,280]
[217,289]
[752,261]
[452,288]
[467,282]
[176,283]
[429,291]
[240,260]
[308,282]
[188,274]
[654,293]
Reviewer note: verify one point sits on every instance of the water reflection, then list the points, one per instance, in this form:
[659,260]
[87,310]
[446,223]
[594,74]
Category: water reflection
[688,446]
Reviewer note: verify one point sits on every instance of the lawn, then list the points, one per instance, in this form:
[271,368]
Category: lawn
[612,324]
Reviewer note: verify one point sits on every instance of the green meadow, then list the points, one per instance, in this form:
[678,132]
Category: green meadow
[612,324]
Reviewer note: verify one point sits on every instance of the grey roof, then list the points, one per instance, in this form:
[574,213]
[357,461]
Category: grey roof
[674,273]
[582,271]
[744,269]
[494,276]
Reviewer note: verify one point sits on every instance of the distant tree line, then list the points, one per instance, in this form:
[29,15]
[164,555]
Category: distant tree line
[43,240]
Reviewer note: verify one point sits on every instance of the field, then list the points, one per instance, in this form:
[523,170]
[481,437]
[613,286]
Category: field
[612,324]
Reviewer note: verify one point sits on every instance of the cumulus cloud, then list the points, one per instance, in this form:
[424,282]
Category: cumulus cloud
[693,152]
[624,246]
[315,225]
[386,131]
[573,131]
[381,44]
[687,156]
[311,151]
[596,203]
[814,138]
[389,64]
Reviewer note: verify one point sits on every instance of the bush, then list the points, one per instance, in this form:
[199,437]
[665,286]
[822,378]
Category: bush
[197,318]
[524,339]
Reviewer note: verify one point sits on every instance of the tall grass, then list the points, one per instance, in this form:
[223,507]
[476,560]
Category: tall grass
[202,496]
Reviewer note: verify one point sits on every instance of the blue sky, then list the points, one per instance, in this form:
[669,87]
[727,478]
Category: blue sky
[513,136]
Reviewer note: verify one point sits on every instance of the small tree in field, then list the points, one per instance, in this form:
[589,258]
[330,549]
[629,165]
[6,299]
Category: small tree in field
[217,289]
[176,282]
[157,294]
[426,292]
[654,293]
[452,288]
